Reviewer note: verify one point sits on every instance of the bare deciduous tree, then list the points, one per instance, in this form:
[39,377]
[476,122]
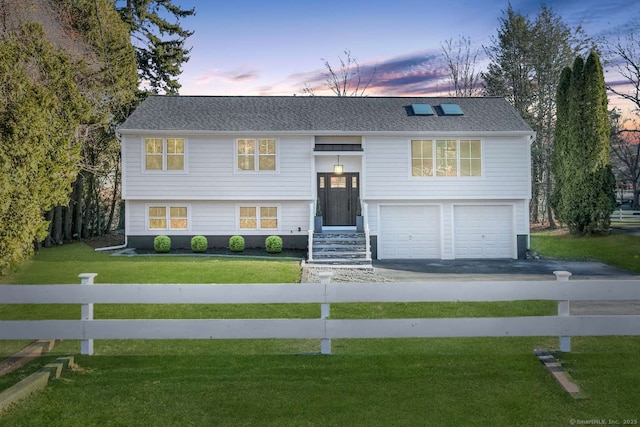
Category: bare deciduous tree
[625,146]
[348,80]
[624,56]
[460,59]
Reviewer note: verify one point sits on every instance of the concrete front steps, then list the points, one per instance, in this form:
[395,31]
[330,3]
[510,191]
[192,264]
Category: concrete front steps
[340,249]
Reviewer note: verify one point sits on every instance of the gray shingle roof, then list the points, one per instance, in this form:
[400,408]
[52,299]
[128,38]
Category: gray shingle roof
[319,114]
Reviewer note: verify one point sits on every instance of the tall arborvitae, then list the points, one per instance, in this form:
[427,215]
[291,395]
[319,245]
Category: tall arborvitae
[559,155]
[40,110]
[584,195]
[597,136]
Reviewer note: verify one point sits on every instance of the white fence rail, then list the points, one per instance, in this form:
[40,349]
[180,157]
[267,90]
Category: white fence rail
[622,215]
[324,328]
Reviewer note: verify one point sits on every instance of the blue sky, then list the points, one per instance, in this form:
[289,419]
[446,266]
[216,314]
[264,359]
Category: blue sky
[275,47]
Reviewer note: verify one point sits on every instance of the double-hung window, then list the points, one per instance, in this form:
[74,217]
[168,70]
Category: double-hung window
[446,158]
[258,217]
[164,154]
[162,217]
[470,157]
[256,154]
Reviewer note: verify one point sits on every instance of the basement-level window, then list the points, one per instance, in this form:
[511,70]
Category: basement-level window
[446,158]
[167,217]
[258,217]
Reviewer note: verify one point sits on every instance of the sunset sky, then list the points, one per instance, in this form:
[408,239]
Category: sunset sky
[275,47]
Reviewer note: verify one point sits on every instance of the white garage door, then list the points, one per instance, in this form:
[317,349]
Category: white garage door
[483,231]
[409,232]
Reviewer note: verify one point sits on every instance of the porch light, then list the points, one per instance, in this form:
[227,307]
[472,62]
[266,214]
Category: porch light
[338,169]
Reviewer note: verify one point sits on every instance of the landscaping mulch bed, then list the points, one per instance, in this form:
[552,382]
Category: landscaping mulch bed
[113,239]
[248,252]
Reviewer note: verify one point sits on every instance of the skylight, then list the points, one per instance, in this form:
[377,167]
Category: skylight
[451,109]
[422,109]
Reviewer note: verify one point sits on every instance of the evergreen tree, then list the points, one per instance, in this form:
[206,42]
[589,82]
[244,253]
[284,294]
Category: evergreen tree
[40,110]
[110,83]
[160,45]
[510,68]
[526,61]
[585,186]
[561,141]
[597,135]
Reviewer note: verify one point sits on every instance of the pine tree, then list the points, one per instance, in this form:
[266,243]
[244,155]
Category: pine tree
[526,61]
[509,72]
[160,45]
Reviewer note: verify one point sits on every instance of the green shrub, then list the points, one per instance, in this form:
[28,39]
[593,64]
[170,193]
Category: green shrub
[199,244]
[162,244]
[273,244]
[236,243]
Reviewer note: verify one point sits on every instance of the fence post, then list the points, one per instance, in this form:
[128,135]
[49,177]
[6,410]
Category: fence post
[325,279]
[563,310]
[86,313]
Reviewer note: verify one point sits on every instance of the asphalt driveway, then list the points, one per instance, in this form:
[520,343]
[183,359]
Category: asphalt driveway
[502,267]
[509,269]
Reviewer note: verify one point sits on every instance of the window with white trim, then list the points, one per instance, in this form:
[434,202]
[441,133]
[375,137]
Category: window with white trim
[164,154]
[162,217]
[256,154]
[446,158]
[258,217]
[470,157]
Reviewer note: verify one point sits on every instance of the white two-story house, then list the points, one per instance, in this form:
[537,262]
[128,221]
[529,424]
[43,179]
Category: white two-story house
[434,178]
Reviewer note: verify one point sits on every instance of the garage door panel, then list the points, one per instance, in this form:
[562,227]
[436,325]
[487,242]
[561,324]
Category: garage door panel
[483,231]
[409,232]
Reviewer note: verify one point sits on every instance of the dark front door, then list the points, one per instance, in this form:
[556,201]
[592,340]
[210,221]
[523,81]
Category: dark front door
[338,195]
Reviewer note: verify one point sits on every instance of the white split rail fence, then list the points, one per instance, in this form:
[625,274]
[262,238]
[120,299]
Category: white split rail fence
[625,216]
[324,328]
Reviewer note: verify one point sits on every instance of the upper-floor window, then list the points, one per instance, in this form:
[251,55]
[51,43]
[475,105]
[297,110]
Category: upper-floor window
[164,154]
[446,157]
[470,157]
[256,154]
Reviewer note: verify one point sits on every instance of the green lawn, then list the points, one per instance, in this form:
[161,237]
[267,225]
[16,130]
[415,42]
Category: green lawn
[619,249]
[400,382]
[62,265]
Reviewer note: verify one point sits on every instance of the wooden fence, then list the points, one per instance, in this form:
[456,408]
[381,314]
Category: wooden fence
[324,328]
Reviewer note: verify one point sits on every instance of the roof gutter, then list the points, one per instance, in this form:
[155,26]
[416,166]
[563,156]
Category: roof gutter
[186,132]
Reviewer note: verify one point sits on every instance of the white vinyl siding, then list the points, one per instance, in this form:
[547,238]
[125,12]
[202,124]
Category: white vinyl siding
[221,218]
[505,168]
[211,164]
